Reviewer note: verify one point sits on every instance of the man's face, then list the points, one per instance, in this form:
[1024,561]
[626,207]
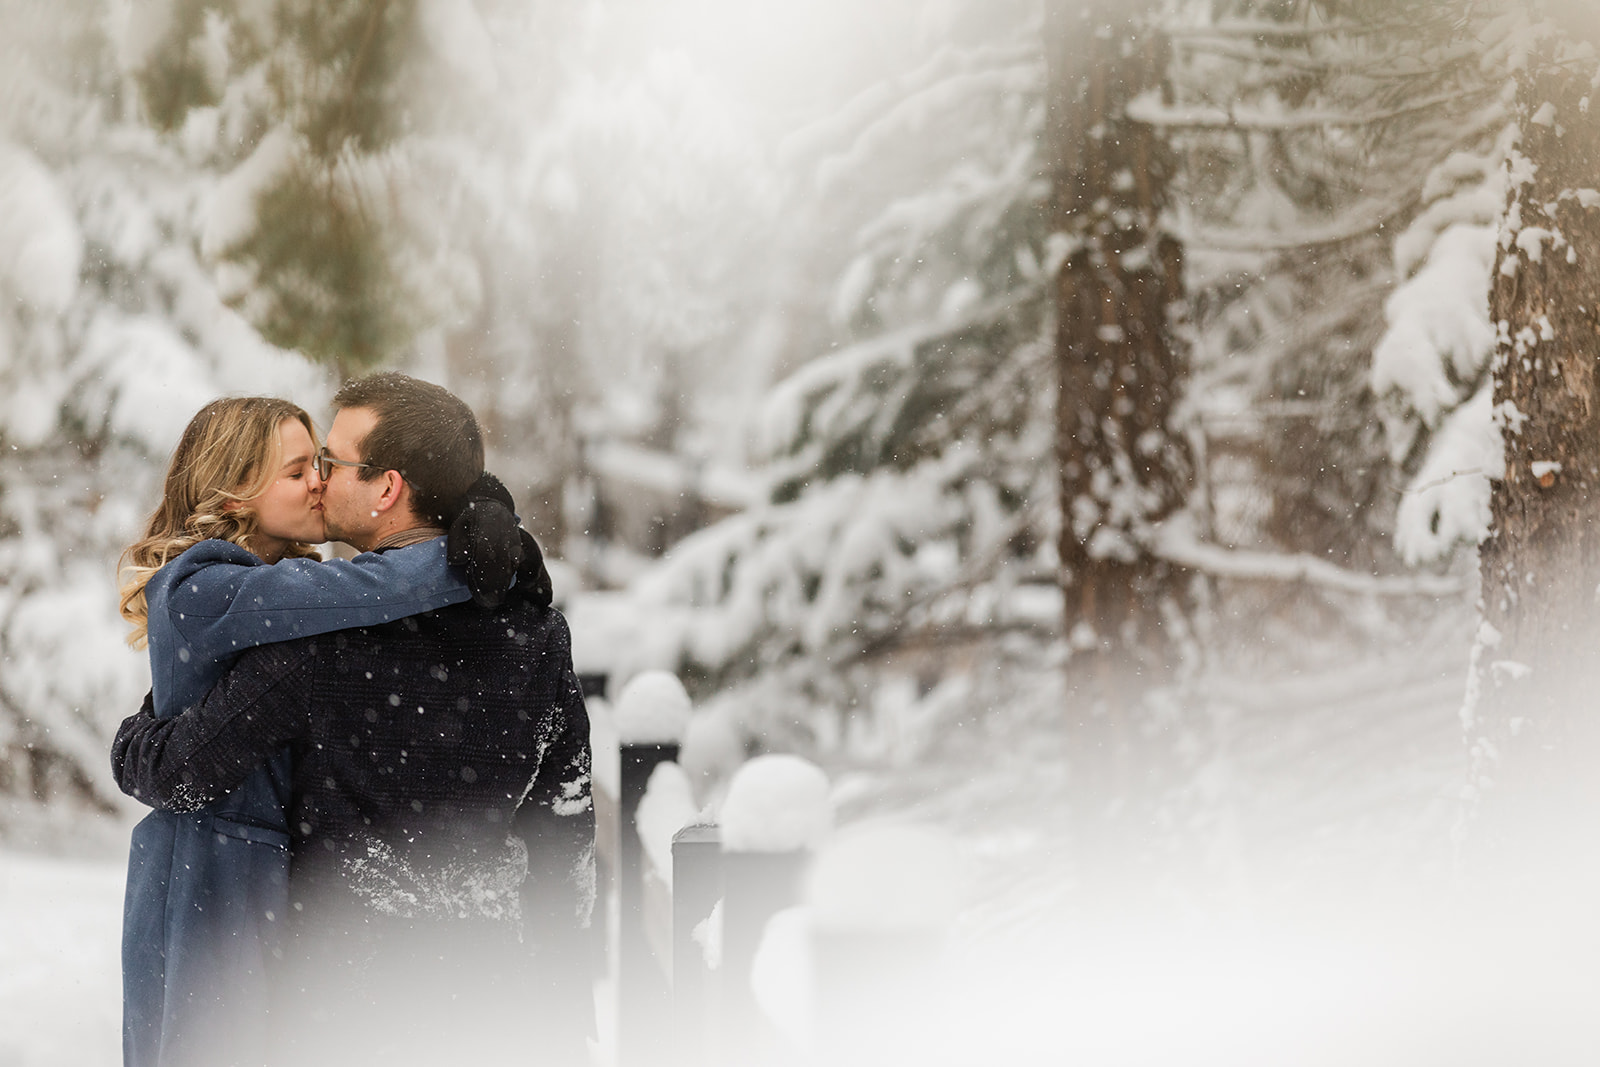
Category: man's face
[347,501]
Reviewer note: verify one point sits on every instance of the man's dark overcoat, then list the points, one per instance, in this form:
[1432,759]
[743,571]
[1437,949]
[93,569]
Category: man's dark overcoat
[442,832]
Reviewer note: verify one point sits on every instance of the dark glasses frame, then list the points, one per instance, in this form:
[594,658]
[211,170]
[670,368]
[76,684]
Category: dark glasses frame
[326,463]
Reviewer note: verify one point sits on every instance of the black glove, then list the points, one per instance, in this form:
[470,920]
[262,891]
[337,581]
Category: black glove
[486,541]
[533,580]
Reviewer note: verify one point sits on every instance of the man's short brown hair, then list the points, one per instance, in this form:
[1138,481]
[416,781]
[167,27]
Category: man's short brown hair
[425,432]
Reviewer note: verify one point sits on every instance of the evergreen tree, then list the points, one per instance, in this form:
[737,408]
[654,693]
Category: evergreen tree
[111,336]
[1312,137]
[910,488]
[321,233]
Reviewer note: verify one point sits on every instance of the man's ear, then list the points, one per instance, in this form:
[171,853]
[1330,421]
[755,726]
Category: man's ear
[395,491]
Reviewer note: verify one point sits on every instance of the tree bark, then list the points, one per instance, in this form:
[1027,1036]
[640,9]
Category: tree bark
[1119,373]
[1536,668]
[1120,370]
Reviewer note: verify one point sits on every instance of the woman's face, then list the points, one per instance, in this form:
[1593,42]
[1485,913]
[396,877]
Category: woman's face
[290,508]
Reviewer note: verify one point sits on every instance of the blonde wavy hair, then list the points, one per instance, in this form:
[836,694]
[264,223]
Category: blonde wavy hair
[230,451]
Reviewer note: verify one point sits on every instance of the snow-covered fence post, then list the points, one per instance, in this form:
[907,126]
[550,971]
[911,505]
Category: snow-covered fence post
[776,812]
[881,899]
[696,889]
[652,713]
[593,683]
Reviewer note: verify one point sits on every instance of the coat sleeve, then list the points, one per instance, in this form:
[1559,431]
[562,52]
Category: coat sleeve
[187,762]
[556,821]
[223,602]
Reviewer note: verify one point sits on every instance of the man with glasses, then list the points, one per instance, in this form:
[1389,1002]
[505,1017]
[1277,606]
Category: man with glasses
[442,835]
[399,460]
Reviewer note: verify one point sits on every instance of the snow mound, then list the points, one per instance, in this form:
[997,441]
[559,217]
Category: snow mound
[666,807]
[652,710]
[776,803]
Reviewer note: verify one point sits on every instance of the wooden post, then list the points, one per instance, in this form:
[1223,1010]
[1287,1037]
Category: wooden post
[652,713]
[696,889]
[593,683]
[593,686]
[777,810]
[756,886]
[643,1000]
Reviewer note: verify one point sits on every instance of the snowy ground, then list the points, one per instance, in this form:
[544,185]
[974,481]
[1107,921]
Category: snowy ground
[1293,924]
[60,985]
[1315,927]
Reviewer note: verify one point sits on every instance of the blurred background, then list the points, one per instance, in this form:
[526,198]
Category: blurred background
[1020,408]
[755,302]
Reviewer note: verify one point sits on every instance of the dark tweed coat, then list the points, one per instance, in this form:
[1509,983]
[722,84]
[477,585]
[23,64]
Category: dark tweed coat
[442,865]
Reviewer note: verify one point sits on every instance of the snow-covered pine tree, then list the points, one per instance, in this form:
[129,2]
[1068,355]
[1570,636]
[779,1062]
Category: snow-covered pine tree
[911,494]
[1312,134]
[111,336]
[322,234]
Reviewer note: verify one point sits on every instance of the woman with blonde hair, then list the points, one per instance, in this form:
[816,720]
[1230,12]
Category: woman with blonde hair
[226,564]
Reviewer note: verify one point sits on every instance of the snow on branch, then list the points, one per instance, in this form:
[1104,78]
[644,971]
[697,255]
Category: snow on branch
[1149,109]
[825,398]
[1262,28]
[868,106]
[1448,501]
[925,109]
[853,563]
[1382,67]
[40,238]
[1359,222]
[911,220]
[1176,543]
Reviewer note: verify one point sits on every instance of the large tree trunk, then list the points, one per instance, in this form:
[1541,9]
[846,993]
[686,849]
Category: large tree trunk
[1537,671]
[1119,371]
[1119,368]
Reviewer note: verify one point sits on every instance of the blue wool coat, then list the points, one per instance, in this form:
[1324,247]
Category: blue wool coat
[207,891]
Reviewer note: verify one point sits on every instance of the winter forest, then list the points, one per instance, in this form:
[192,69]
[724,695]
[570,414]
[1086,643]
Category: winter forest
[1153,444]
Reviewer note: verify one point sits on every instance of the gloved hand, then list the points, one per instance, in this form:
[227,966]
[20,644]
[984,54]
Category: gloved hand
[486,541]
[533,579]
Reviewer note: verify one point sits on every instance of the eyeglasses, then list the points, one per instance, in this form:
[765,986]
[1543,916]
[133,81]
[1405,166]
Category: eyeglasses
[326,463]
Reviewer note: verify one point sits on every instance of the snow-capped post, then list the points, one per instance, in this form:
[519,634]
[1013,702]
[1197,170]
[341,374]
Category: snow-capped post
[881,899]
[696,891]
[776,813]
[593,683]
[652,713]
